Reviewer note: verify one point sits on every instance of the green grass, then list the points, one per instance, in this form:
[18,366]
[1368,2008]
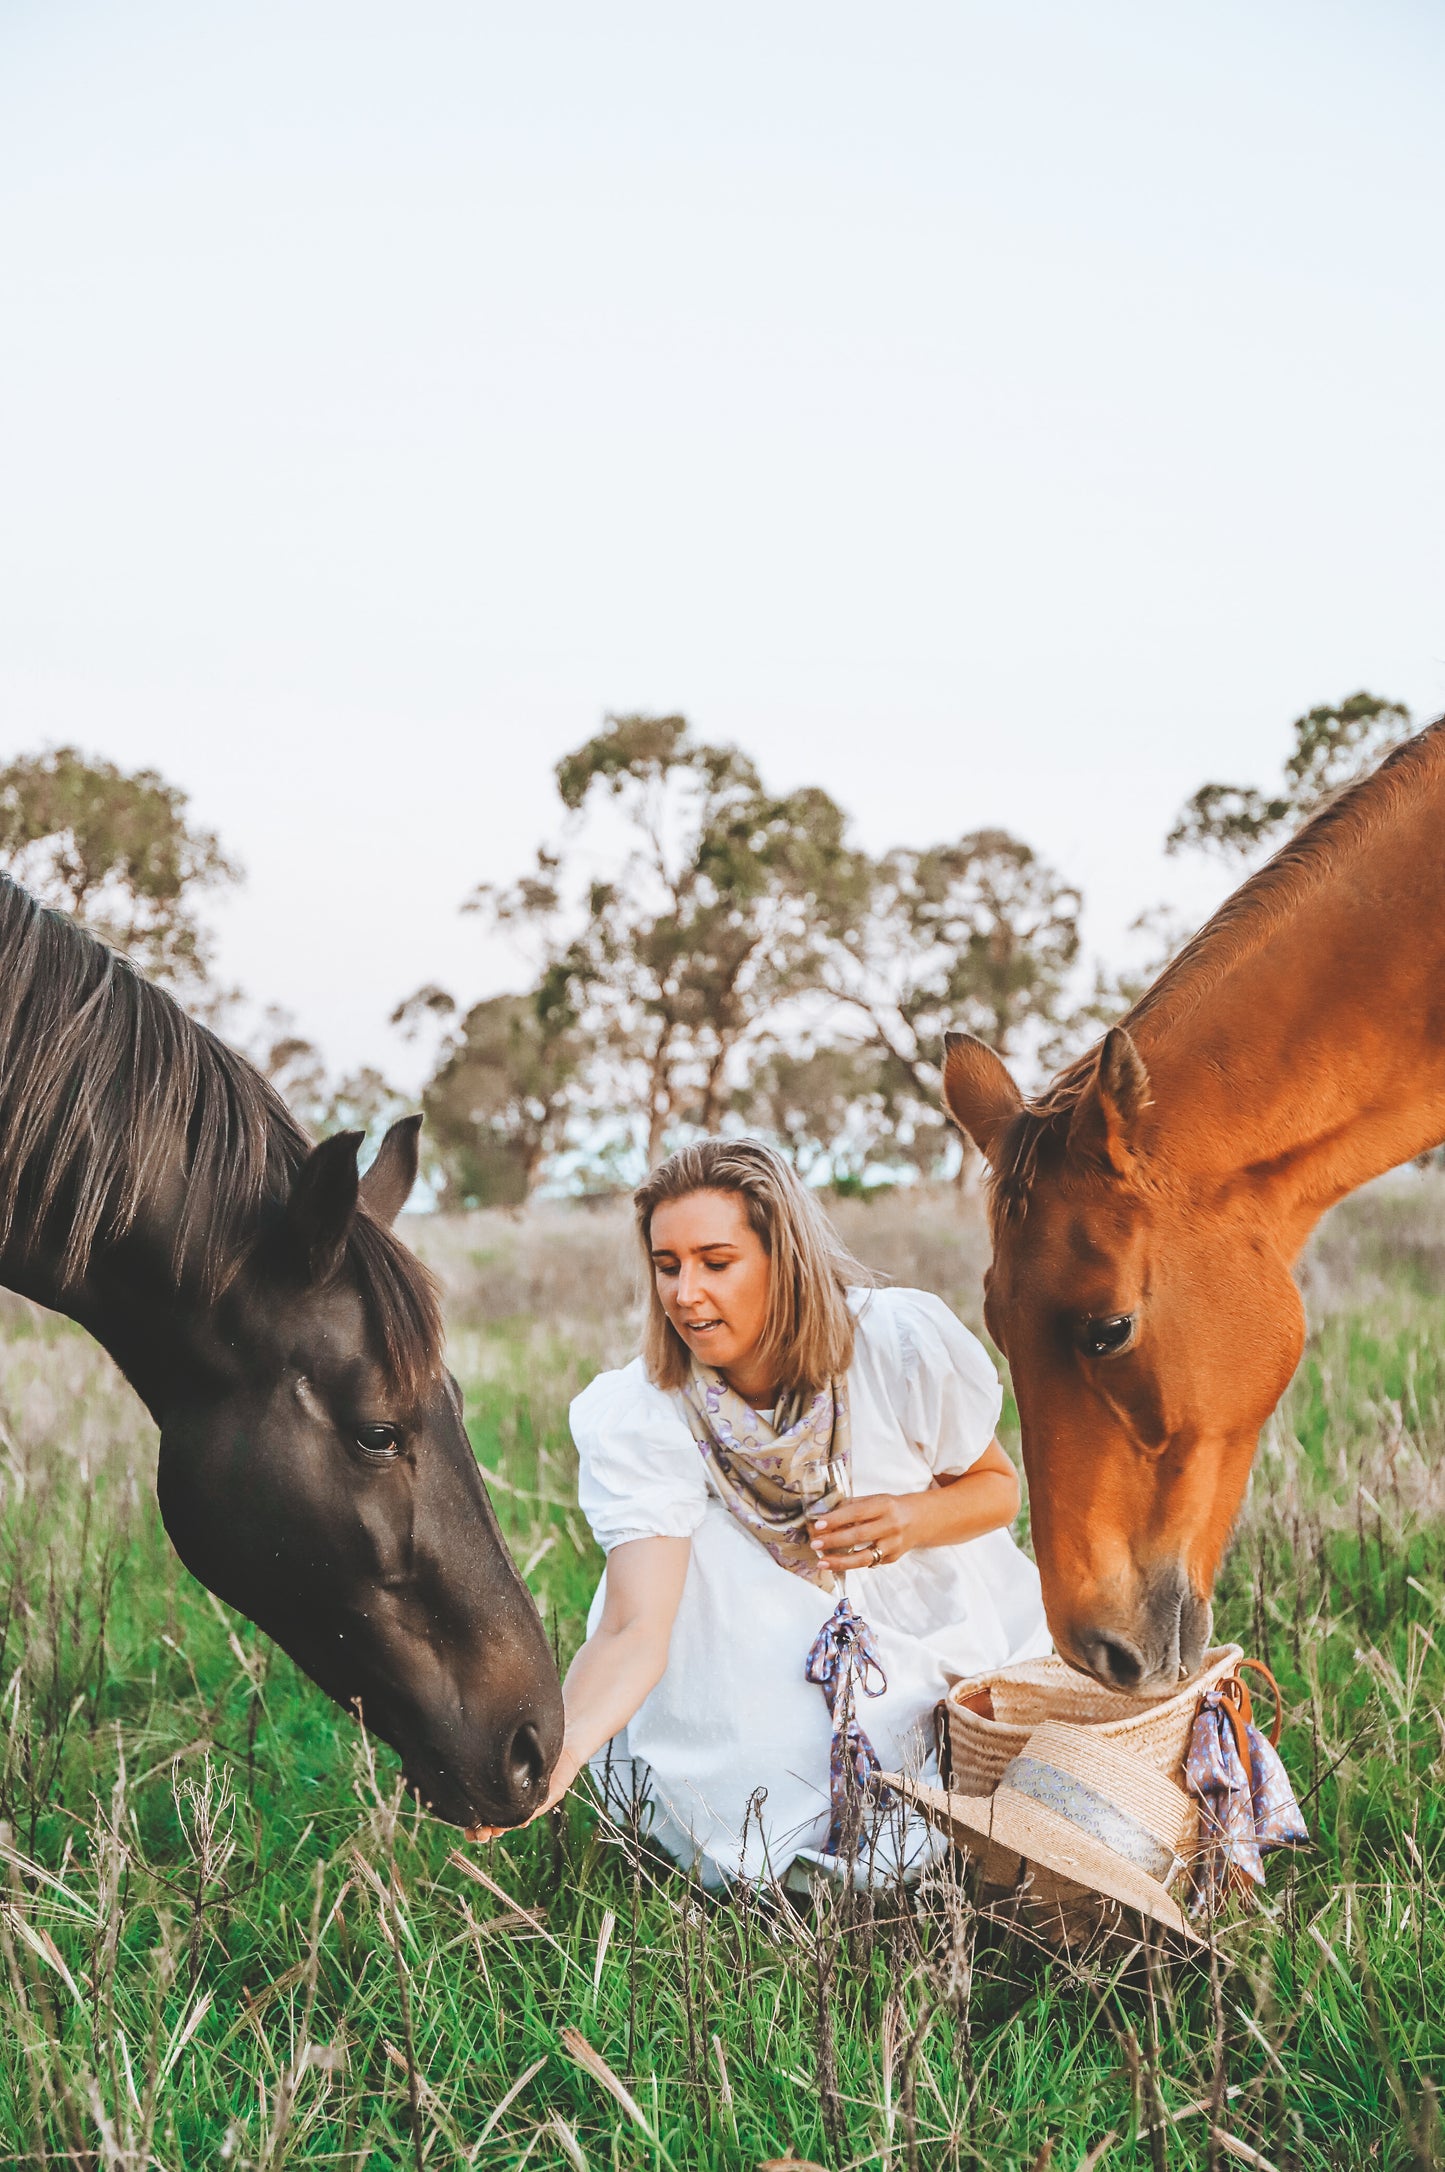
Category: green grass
[225,1940]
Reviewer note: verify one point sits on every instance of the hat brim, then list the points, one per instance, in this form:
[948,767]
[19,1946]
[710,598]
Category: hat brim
[1018,1827]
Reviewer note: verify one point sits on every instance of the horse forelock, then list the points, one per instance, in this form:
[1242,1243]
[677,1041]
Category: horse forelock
[1037,1139]
[402,1304]
[110,1093]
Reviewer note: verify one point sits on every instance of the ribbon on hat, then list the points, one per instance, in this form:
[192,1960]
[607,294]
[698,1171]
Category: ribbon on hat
[1089,1812]
[844,1656]
[1246,1804]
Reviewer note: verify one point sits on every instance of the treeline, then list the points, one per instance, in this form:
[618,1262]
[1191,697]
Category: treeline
[702,954]
[708,954]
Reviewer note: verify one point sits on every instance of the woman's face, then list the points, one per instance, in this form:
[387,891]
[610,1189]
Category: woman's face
[712,1276]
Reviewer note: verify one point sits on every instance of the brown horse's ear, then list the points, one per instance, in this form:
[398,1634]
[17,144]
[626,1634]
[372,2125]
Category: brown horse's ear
[978,1092]
[322,1206]
[386,1186]
[1104,1125]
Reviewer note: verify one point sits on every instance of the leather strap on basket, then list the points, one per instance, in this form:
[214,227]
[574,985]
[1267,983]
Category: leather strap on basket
[943,1744]
[1239,1706]
[1260,1668]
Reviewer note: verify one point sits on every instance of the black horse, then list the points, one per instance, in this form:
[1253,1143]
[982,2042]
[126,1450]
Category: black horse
[314,1470]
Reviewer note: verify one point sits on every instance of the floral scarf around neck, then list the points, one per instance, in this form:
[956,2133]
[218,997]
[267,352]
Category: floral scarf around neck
[771,1481]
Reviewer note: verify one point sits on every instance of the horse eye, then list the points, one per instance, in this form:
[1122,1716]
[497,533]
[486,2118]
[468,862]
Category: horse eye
[378,1440]
[1107,1337]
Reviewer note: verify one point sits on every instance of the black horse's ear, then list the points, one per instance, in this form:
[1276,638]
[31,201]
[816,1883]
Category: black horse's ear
[386,1186]
[322,1206]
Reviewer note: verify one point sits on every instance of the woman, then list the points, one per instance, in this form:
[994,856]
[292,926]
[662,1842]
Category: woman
[785,1426]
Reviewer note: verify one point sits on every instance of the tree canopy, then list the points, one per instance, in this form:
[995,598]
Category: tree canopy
[711,913]
[979,935]
[116,850]
[501,1098]
[709,952]
[1332,748]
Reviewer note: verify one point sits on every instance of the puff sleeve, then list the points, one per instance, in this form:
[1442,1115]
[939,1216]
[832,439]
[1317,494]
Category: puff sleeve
[952,1394]
[639,1474]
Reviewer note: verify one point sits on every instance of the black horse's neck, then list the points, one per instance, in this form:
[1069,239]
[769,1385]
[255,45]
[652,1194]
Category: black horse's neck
[131,1301]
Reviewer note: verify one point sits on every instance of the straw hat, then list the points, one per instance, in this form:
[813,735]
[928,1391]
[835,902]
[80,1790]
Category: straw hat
[1083,1808]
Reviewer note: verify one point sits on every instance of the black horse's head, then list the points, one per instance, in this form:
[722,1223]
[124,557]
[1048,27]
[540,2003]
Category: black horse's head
[316,1474]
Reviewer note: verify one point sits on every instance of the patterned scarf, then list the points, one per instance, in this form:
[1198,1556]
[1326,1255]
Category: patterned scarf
[773,1483]
[1246,1804]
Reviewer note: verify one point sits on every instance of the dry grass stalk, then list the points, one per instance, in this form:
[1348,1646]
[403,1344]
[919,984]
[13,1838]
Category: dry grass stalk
[576,2046]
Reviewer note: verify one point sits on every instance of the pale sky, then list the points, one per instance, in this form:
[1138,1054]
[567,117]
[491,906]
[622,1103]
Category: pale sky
[995,413]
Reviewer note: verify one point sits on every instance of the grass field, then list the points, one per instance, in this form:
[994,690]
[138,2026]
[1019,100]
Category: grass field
[225,1941]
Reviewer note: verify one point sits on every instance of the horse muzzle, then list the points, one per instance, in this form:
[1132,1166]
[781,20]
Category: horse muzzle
[1144,1644]
[508,1788]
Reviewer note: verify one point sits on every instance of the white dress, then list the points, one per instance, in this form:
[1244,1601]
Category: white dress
[734,1711]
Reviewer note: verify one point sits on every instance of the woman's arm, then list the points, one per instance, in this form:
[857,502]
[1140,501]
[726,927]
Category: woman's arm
[622,1661]
[961,1505]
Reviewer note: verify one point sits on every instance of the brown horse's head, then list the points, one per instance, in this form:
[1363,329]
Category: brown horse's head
[1150,1327]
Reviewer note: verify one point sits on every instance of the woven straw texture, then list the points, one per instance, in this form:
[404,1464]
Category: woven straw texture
[1024,1697]
[1064,1915]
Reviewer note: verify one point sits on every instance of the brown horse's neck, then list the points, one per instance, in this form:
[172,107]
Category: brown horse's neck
[1297,1048]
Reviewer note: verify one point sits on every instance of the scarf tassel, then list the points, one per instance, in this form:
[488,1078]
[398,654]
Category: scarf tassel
[843,1659]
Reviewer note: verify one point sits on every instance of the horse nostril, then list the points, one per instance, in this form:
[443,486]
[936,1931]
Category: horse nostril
[525,1764]
[1114,1660]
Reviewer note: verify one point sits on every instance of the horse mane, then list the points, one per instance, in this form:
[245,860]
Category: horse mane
[110,1094]
[1241,926]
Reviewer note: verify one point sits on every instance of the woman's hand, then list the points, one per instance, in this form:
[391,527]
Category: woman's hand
[882,1527]
[866,1532]
[622,1661]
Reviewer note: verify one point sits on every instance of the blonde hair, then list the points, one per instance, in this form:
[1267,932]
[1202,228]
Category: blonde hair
[807,1333]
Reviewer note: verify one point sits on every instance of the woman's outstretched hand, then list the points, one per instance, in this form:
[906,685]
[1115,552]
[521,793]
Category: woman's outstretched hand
[622,1661]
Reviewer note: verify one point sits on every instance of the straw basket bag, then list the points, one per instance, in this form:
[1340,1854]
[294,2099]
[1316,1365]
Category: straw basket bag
[989,1717]
[988,1720]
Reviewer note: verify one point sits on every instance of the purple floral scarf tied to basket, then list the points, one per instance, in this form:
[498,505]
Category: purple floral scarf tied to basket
[1246,1804]
[773,1483]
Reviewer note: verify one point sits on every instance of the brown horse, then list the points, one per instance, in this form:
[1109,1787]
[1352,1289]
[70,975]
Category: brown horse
[314,1468]
[1147,1209]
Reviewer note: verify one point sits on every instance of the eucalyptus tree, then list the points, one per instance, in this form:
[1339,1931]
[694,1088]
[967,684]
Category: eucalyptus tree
[844,1111]
[981,935]
[118,852]
[1332,748]
[687,907]
[502,1096]
[823,1103]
